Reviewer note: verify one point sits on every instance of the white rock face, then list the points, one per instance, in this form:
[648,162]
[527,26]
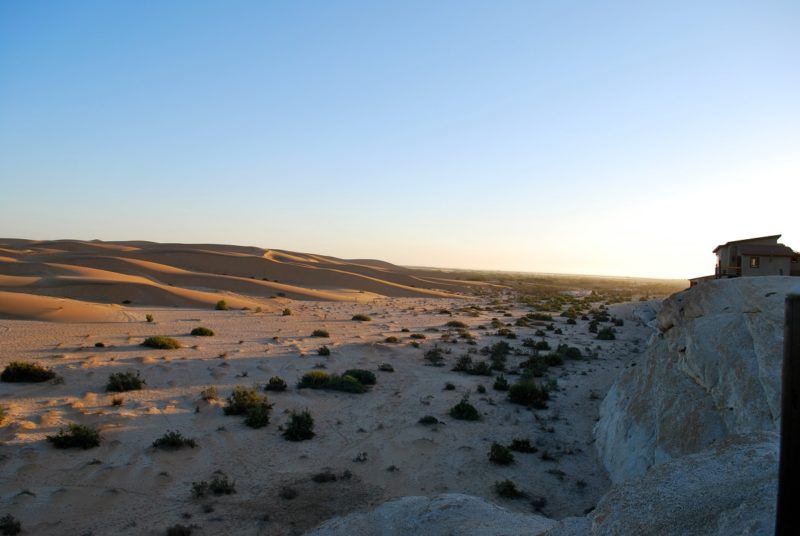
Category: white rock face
[712,371]
[447,514]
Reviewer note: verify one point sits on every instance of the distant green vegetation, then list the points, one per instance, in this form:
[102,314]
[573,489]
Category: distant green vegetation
[161,342]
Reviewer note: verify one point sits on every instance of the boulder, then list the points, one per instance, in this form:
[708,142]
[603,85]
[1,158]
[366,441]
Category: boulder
[712,370]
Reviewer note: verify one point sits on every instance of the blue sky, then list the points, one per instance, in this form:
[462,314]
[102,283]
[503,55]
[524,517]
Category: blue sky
[623,138]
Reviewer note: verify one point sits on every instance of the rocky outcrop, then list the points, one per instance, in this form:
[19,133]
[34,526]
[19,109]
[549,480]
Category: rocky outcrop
[712,370]
[449,513]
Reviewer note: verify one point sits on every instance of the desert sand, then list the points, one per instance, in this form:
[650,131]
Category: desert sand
[372,442]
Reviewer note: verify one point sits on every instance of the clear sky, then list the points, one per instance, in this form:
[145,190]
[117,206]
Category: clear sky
[623,138]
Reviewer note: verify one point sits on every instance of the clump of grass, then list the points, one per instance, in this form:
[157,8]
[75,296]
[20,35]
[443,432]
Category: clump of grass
[365,377]
[209,393]
[500,455]
[300,426]
[161,342]
[149,318]
[391,340]
[286,312]
[418,336]
[313,379]
[607,334]
[528,393]
[501,383]
[119,382]
[508,490]
[10,525]
[323,351]
[361,318]
[220,484]
[174,440]
[22,372]
[386,367]
[76,436]
[202,332]
[276,383]
[435,357]
[320,333]
[221,305]
[456,324]
[522,445]
[464,411]
[346,384]
[246,401]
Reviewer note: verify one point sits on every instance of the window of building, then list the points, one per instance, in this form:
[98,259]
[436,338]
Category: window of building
[755,262]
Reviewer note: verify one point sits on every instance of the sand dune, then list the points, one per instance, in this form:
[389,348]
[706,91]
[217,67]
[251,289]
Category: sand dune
[17,305]
[138,273]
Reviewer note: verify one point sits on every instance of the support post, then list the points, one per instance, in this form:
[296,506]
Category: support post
[787,520]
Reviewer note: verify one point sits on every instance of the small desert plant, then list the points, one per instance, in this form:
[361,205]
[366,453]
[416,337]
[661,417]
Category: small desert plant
[481,389]
[391,340]
[209,393]
[347,384]
[300,426]
[417,336]
[428,419]
[276,383]
[99,345]
[258,415]
[522,445]
[202,332]
[161,342]
[464,411]
[117,401]
[449,386]
[10,525]
[244,400]
[500,455]
[314,379]
[76,436]
[606,334]
[527,393]
[220,484]
[286,312]
[456,324]
[365,377]
[500,383]
[119,382]
[149,318]
[20,371]
[386,367]
[361,318]
[174,440]
[320,333]
[435,357]
[507,489]
[221,305]
[323,351]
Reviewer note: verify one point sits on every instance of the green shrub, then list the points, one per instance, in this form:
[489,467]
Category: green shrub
[553,360]
[9,525]
[456,324]
[527,393]
[361,318]
[500,455]
[174,440]
[313,379]
[464,411]
[481,368]
[391,340]
[435,357]
[449,386]
[119,382]
[481,389]
[202,332]
[161,342]
[346,384]
[542,345]
[366,377]
[286,312]
[209,393]
[22,372]
[522,445]
[507,490]
[276,383]
[76,436]
[569,352]
[242,399]
[221,306]
[386,367]
[300,426]
[323,351]
[606,334]
[320,333]
[220,484]
[463,364]
[418,336]
[258,416]
[500,383]
[149,318]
